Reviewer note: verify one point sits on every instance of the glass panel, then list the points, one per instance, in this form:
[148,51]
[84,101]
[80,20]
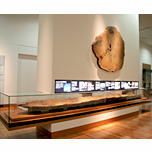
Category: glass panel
[12,101]
[147,81]
[5,108]
[68,95]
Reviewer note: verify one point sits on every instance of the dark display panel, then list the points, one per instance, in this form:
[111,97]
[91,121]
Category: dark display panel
[91,85]
[75,86]
[113,85]
[110,85]
[117,85]
[129,85]
[136,85]
[100,86]
[125,85]
[62,86]
[82,86]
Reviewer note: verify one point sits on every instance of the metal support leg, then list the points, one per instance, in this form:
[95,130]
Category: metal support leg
[140,109]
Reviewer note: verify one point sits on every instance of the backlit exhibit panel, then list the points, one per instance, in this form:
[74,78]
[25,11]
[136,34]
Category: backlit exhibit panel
[113,85]
[82,86]
[75,86]
[136,85]
[62,86]
[86,86]
[110,85]
[117,85]
[100,86]
[129,85]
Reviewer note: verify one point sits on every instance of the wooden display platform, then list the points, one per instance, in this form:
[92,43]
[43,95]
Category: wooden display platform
[86,94]
[22,119]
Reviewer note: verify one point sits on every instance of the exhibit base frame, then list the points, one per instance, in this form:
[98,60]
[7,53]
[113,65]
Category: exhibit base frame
[57,124]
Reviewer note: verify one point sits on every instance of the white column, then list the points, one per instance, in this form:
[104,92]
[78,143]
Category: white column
[45,53]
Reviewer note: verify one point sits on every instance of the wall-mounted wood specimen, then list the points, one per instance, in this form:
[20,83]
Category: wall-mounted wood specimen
[108,47]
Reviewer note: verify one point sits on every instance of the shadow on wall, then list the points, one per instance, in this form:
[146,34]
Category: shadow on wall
[101,74]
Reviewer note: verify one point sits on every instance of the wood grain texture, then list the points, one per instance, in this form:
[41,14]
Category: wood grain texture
[133,127]
[108,47]
[89,126]
[37,106]
[25,120]
[20,114]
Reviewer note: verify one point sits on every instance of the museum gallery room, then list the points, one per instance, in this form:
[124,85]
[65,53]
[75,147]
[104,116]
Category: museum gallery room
[75,76]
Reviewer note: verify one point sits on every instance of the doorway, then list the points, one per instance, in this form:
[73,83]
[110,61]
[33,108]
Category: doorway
[27,73]
[146,76]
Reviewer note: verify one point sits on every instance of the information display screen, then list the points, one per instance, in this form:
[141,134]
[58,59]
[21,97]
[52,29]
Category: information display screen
[82,86]
[124,85]
[113,85]
[85,86]
[91,85]
[136,85]
[110,85]
[129,85]
[62,86]
[100,86]
[117,85]
[75,86]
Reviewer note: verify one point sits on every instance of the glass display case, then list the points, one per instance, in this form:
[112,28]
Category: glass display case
[147,81]
[37,103]
[10,101]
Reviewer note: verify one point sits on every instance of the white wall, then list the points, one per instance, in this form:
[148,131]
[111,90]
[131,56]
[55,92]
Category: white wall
[27,69]
[18,34]
[19,29]
[73,37]
[145,57]
[10,72]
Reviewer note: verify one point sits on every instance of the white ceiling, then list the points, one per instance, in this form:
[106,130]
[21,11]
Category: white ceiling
[145,28]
